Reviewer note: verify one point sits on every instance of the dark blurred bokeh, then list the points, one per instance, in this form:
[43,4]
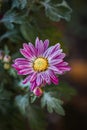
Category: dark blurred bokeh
[75,36]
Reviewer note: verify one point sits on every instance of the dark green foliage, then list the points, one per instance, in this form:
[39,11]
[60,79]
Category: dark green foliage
[22,21]
[21,17]
[56,11]
[33,113]
[20,4]
[53,104]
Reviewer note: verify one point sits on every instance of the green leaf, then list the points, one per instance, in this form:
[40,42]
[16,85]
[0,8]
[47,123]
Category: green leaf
[14,35]
[7,34]
[22,101]
[33,98]
[33,113]
[56,11]
[28,31]
[53,104]
[6,50]
[21,4]
[11,17]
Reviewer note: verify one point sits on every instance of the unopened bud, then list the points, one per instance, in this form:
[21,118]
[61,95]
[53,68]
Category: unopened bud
[7,58]
[38,91]
[7,66]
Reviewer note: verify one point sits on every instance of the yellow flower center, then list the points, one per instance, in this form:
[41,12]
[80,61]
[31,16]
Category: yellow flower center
[40,64]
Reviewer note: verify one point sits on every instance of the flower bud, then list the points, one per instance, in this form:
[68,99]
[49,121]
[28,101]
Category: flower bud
[7,58]
[38,91]
[7,66]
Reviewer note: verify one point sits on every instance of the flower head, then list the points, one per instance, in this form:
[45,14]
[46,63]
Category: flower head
[41,64]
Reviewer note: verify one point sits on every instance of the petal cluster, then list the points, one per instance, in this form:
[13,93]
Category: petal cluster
[50,59]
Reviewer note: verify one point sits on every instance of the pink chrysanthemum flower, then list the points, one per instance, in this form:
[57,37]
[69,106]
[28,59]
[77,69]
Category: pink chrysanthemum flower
[41,64]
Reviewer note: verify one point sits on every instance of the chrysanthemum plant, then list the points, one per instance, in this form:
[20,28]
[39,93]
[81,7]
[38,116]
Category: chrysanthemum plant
[30,81]
[42,65]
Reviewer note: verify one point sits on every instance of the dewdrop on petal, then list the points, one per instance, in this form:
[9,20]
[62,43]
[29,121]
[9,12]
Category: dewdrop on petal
[38,91]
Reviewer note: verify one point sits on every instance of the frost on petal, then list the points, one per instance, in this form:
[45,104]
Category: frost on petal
[64,68]
[25,71]
[32,49]
[21,60]
[55,54]
[61,56]
[26,47]
[33,77]
[38,80]
[25,53]
[46,77]
[32,86]
[55,69]
[39,45]
[46,44]
[55,61]
[51,50]
[53,77]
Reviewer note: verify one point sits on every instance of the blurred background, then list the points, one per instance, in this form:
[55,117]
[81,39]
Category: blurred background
[73,38]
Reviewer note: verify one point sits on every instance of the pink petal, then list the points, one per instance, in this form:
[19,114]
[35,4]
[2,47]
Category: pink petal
[33,49]
[56,47]
[24,66]
[55,62]
[25,71]
[27,79]
[46,77]
[54,79]
[63,64]
[55,54]
[38,80]
[46,44]
[33,77]
[64,68]
[32,86]
[26,47]
[51,50]
[21,60]
[39,46]
[61,56]
[55,69]
[25,53]
[16,67]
